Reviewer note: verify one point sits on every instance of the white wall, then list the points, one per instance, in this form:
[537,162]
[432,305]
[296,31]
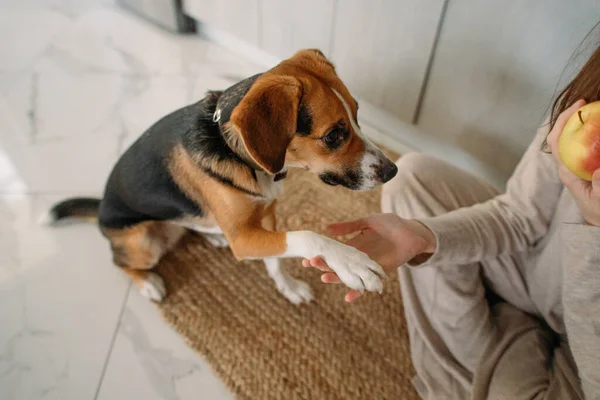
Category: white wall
[478,75]
[496,69]
[380,47]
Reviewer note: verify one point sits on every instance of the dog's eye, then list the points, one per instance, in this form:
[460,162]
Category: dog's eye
[334,136]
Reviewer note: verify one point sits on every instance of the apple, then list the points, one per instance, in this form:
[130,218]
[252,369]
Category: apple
[579,142]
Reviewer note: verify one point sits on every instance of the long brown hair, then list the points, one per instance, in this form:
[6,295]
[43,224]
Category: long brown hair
[585,85]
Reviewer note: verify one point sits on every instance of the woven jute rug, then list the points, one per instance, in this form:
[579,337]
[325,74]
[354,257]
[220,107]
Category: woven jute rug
[262,346]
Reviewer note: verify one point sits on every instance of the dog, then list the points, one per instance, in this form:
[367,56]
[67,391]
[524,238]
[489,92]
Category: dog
[216,167]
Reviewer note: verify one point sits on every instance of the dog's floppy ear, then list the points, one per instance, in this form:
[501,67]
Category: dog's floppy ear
[266,119]
[313,56]
[314,61]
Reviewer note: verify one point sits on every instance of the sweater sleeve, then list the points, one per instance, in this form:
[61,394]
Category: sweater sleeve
[581,301]
[509,222]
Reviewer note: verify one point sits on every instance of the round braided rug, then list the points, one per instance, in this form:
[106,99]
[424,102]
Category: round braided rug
[264,347]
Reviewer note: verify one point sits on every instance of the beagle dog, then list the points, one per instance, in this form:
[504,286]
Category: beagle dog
[216,167]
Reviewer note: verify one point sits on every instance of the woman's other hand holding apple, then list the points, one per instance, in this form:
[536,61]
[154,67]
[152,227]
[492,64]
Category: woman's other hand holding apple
[586,192]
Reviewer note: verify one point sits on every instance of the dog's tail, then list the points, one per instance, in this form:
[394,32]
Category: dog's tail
[80,208]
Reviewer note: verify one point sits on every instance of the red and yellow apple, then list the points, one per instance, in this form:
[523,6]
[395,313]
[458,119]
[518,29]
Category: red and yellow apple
[579,142]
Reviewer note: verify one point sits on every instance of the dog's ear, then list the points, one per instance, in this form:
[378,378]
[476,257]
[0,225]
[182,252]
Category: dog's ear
[266,119]
[313,60]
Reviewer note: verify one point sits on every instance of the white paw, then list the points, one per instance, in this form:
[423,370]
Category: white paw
[296,291]
[216,240]
[153,287]
[354,268]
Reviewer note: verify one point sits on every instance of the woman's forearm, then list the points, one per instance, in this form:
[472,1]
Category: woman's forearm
[508,223]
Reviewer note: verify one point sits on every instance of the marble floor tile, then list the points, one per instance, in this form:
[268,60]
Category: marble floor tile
[77,165]
[31,30]
[159,95]
[79,82]
[60,303]
[150,361]
[88,102]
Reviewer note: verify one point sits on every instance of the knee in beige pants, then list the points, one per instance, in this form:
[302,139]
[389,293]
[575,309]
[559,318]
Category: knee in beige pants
[425,187]
[446,312]
[523,361]
[398,193]
[450,326]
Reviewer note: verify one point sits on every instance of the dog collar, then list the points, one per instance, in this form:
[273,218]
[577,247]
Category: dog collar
[231,97]
[217,115]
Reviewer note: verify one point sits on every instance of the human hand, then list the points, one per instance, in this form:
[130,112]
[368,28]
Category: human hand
[387,239]
[585,193]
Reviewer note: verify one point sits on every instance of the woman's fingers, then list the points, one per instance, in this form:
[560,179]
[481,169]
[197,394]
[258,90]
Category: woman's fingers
[344,228]
[316,262]
[352,295]
[560,125]
[573,182]
[330,277]
[565,115]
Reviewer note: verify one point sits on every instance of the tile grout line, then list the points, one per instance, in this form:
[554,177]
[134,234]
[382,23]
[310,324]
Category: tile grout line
[430,61]
[112,342]
[333,27]
[259,23]
[32,112]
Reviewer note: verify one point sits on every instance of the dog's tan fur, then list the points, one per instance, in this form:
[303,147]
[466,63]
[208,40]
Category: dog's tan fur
[138,248]
[263,139]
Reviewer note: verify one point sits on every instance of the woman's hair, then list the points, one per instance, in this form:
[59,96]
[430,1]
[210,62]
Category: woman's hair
[586,85]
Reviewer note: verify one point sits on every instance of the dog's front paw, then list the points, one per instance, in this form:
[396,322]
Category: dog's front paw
[355,269]
[153,287]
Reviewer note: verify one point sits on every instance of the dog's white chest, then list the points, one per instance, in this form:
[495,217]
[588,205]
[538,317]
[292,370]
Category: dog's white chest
[268,187]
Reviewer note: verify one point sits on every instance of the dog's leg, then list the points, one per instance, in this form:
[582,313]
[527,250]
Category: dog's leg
[295,290]
[354,268]
[149,284]
[137,249]
[217,240]
[240,217]
[212,234]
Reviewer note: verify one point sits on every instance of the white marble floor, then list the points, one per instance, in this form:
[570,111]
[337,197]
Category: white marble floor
[79,80]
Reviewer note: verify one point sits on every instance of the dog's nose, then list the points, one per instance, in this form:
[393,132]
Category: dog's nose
[387,171]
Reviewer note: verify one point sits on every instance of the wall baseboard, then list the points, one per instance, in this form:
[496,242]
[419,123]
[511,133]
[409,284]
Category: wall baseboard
[380,126]
[236,45]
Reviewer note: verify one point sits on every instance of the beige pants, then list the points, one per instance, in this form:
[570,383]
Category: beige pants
[464,344]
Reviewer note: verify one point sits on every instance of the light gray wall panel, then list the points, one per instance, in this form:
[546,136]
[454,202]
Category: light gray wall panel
[381,49]
[291,25]
[239,18]
[496,69]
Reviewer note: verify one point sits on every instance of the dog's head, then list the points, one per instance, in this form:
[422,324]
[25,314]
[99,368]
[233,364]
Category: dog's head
[300,114]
